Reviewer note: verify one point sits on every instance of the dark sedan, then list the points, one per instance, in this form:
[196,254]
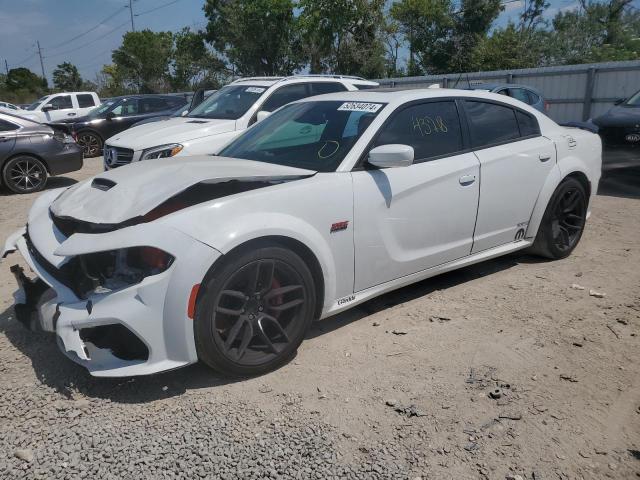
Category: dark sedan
[619,130]
[118,114]
[31,151]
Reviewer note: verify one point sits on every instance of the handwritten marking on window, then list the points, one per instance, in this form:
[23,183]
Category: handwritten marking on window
[426,125]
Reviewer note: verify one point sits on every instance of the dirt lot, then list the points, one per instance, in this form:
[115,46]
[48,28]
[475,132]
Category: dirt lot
[397,388]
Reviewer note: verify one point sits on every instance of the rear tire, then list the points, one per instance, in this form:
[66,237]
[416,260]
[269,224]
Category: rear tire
[91,144]
[24,174]
[254,311]
[563,221]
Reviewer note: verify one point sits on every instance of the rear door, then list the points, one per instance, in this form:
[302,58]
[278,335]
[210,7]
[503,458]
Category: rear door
[408,219]
[515,160]
[86,102]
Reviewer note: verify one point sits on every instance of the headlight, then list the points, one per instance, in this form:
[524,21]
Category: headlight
[162,151]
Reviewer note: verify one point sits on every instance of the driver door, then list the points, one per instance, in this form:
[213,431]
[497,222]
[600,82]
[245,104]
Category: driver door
[409,219]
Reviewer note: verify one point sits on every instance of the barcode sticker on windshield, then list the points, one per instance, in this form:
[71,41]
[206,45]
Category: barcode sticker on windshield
[254,90]
[360,107]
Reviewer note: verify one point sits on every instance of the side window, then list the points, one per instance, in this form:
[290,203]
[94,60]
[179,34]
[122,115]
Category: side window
[126,108]
[519,94]
[503,92]
[150,105]
[320,88]
[61,102]
[490,123]
[285,95]
[528,124]
[533,98]
[7,126]
[85,100]
[432,129]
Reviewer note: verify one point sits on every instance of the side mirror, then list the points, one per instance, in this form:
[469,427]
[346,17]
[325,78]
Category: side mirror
[619,101]
[262,114]
[393,155]
[198,98]
[184,113]
[47,108]
[110,116]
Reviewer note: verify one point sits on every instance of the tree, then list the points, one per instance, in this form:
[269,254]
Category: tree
[344,36]
[258,37]
[143,59]
[193,64]
[24,79]
[67,78]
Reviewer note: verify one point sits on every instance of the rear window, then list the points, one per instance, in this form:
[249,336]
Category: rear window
[320,88]
[528,124]
[490,123]
[85,100]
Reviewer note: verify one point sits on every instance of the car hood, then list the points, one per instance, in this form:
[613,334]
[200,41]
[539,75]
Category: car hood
[129,192]
[619,116]
[174,130]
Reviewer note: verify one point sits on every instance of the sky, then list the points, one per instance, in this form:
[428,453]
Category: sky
[84,32]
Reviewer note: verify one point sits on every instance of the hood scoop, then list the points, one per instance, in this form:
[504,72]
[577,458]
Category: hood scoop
[103,184]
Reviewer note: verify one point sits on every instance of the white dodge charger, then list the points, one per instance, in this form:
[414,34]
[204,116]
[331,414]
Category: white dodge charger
[325,204]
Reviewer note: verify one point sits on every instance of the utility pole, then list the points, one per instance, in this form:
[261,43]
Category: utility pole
[133,28]
[41,62]
[6,66]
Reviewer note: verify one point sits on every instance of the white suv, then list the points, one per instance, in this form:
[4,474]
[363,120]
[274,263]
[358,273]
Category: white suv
[221,117]
[60,106]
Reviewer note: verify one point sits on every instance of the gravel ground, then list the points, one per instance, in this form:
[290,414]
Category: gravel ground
[400,387]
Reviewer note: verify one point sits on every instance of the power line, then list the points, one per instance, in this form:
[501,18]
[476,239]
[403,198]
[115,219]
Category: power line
[92,41]
[88,31]
[156,8]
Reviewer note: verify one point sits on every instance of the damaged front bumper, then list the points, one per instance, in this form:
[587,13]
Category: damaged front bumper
[136,330]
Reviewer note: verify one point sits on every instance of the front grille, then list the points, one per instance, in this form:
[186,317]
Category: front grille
[116,156]
[616,136]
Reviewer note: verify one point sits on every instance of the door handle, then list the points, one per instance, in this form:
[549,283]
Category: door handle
[467,180]
[544,157]
[71,114]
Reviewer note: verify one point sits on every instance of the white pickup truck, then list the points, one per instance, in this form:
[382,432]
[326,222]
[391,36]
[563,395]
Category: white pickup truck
[60,106]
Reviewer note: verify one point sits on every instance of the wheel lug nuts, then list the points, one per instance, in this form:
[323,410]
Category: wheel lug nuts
[251,317]
[260,309]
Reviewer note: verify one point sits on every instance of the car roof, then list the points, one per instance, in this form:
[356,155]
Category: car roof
[270,81]
[398,97]
[496,86]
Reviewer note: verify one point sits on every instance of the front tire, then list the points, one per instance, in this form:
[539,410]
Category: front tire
[24,174]
[254,311]
[91,144]
[563,221]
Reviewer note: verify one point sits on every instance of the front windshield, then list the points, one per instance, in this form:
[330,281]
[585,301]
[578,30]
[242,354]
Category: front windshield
[35,104]
[634,100]
[311,135]
[101,109]
[230,102]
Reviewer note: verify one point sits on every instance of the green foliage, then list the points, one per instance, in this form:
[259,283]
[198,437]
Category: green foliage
[258,37]
[143,60]
[344,36]
[193,64]
[21,85]
[67,78]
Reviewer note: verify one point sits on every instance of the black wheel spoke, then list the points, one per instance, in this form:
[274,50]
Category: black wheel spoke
[286,306]
[234,294]
[229,311]
[233,333]
[276,292]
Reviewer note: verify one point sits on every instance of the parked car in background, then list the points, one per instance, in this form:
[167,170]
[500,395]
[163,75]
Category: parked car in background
[118,114]
[229,260]
[9,106]
[619,130]
[180,112]
[221,117]
[30,152]
[524,93]
[60,106]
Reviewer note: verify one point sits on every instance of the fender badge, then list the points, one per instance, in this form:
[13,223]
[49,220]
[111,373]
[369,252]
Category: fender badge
[338,226]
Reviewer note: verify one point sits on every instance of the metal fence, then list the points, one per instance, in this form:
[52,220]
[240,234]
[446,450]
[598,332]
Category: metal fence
[574,92]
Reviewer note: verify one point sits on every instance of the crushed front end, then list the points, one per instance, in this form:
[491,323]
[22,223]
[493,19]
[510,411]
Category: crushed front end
[115,296]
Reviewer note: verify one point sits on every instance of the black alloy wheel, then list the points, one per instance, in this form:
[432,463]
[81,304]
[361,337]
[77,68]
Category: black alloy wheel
[91,144]
[24,174]
[563,221]
[255,313]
